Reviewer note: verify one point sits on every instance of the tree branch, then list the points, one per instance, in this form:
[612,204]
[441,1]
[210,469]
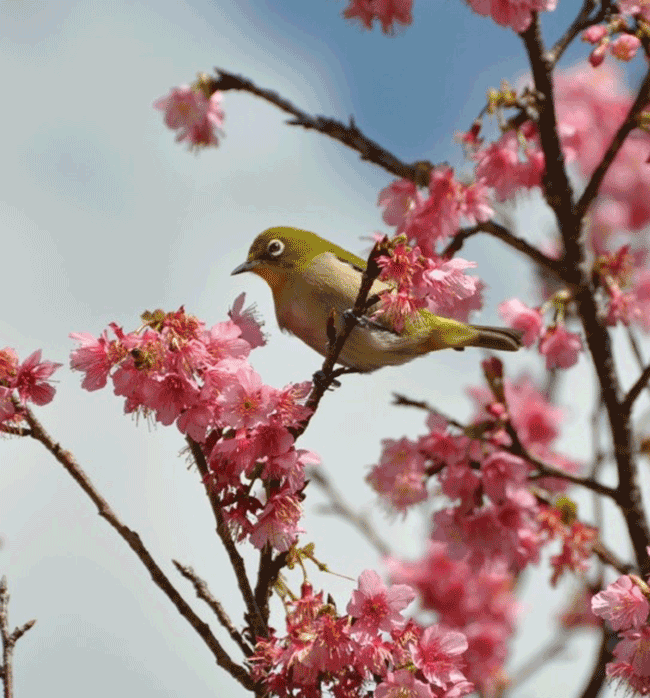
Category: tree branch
[582,21]
[9,640]
[67,460]
[350,135]
[498,231]
[630,123]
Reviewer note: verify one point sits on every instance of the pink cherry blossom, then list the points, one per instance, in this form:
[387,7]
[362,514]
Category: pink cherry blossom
[623,604]
[516,14]
[437,655]
[560,347]
[402,684]
[246,402]
[399,198]
[376,607]
[520,317]
[248,322]
[634,650]
[386,11]
[595,34]
[625,46]
[197,118]
[32,378]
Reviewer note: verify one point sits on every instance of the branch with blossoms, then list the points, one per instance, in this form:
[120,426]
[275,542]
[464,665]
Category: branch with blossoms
[500,481]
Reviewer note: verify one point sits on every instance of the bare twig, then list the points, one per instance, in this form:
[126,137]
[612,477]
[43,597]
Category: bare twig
[253,616]
[9,640]
[204,593]
[635,390]
[133,540]
[582,21]
[498,231]
[349,135]
[337,505]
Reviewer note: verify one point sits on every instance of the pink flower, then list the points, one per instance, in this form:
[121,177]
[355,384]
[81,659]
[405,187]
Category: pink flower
[32,379]
[400,475]
[504,476]
[386,11]
[402,684]
[560,347]
[634,650]
[246,402]
[623,604]
[248,323]
[437,655]
[376,607]
[625,46]
[595,34]
[93,358]
[448,290]
[636,8]
[197,118]
[277,524]
[520,317]
[399,198]
[516,14]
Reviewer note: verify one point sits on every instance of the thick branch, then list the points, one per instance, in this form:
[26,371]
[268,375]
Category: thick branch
[556,187]
[135,543]
[348,135]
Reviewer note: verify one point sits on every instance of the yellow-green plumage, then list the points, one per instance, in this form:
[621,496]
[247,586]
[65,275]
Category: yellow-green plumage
[309,276]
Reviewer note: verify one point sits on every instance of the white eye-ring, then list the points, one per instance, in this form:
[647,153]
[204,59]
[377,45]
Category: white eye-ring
[275,248]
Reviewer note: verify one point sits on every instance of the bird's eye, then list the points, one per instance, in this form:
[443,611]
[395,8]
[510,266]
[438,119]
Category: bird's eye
[275,248]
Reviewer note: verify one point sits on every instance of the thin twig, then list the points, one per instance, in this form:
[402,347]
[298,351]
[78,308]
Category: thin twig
[582,21]
[349,135]
[337,505]
[498,231]
[9,640]
[253,616]
[517,449]
[204,593]
[635,390]
[133,540]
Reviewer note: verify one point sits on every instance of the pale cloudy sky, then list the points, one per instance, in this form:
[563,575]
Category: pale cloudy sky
[103,215]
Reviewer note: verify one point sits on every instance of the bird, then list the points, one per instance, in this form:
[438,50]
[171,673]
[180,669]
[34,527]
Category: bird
[313,280]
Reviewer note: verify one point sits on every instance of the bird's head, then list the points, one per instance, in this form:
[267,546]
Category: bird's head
[281,252]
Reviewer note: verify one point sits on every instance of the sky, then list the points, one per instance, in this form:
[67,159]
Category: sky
[103,215]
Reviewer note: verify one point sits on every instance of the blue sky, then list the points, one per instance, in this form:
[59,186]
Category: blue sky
[103,215]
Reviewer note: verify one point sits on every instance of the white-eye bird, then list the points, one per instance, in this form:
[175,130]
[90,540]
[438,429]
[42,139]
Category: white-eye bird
[310,276]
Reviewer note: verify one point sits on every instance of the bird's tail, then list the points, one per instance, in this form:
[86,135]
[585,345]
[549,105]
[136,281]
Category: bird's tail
[497,338]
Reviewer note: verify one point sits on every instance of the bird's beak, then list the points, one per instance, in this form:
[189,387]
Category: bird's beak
[248,265]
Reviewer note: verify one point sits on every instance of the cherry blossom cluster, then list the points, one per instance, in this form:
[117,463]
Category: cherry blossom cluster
[625,46]
[24,382]
[178,371]
[516,14]
[194,113]
[624,604]
[495,516]
[436,284]
[591,107]
[479,603]
[373,645]
[559,346]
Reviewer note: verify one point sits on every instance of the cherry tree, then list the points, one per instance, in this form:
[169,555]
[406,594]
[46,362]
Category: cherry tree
[503,490]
